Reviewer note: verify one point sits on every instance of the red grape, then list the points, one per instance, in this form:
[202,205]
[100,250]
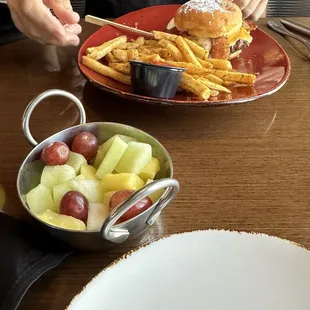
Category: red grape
[86,144]
[56,153]
[74,204]
[138,208]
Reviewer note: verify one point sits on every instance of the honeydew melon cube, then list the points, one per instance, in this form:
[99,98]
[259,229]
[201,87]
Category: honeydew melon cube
[136,157]
[116,182]
[112,157]
[97,213]
[156,195]
[107,197]
[58,192]
[106,146]
[76,160]
[91,189]
[54,175]
[61,220]
[40,199]
[88,171]
[98,159]
[150,170]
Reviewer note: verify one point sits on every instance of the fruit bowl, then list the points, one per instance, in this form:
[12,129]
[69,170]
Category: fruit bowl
[112,231]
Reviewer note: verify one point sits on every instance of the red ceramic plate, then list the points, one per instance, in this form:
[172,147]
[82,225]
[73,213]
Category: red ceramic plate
[264,57]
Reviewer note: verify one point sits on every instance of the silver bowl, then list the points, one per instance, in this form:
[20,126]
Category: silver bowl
[30,172]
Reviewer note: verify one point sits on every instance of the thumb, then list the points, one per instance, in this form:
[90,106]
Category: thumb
[63,10]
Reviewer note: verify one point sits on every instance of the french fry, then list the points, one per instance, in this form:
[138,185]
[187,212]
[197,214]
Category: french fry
[111,58]
[214,79]
[150,58]
[212,85]
[105,70]
[198,50]
[90,50]
[175,52]
[151,43]
[191,69]
[159,35]
[205,63]
[103,50]
[132,45]
[187,53]
[238,77]
[214,93]
[165,53]
[190,84]
[221,64]
[121,67]
[120,54]
[133,54]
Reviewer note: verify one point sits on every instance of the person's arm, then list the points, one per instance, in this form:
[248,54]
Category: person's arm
[252,9]
[34,18]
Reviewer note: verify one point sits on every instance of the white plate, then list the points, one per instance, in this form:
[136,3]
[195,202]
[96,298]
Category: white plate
[212,270]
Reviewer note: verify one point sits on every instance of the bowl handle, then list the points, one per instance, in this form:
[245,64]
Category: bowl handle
[49,93]
[119,235]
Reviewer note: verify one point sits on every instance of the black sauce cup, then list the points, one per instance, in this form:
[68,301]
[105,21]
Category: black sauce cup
[154,80]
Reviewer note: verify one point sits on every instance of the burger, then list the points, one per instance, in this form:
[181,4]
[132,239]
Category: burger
[216,25]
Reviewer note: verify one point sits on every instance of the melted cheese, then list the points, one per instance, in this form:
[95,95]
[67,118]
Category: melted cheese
[242,34]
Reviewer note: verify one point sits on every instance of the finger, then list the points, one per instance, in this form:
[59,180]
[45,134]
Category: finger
[250,9]
[63,10]
[73,29]
[242,3]
[261,8]
[43,25]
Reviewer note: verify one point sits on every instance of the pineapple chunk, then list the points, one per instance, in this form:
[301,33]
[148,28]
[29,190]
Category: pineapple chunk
[40,199]
[76,160]
[107,197]
[91,189]
[136,157]
[54,175]
[88,171]
[58,192]
[98,159]
[150,170]
[155,196]
[107,145]
[116,182]
[61,220]
[97,213]
[112,157]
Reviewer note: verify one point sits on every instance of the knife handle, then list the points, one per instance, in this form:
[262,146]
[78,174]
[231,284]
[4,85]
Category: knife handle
[295,26]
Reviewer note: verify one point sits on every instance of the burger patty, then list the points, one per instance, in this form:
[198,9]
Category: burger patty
[239,45]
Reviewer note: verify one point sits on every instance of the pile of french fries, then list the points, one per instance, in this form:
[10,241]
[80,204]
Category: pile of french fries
[203,76]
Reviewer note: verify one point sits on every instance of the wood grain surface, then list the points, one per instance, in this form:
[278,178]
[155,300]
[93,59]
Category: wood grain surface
[243,167]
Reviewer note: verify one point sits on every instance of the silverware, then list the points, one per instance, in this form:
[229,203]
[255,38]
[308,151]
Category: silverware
[101,22]
[279,28]
[295,26]
[3,2]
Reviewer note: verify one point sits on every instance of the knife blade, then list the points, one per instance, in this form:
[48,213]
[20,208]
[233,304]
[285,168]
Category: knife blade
[296,26]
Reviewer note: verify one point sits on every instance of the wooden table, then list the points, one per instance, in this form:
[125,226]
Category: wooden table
[243,167]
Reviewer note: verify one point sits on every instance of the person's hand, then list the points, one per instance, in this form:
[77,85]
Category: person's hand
[252,9]
[34,18]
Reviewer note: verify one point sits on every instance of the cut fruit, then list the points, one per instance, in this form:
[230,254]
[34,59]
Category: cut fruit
[76,161]
[98,159]
[116,182]
[91,189]
[155,196]
[54,175]
[112,157]
[107,197]
[136,157]
[97,213]
[150,170]
[61,220]
[58,192]
[106,146]
[40,199]
[88,171]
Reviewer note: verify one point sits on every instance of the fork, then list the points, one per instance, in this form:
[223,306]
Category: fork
[279,28]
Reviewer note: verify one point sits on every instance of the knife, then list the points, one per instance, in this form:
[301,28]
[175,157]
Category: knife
[298,27]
